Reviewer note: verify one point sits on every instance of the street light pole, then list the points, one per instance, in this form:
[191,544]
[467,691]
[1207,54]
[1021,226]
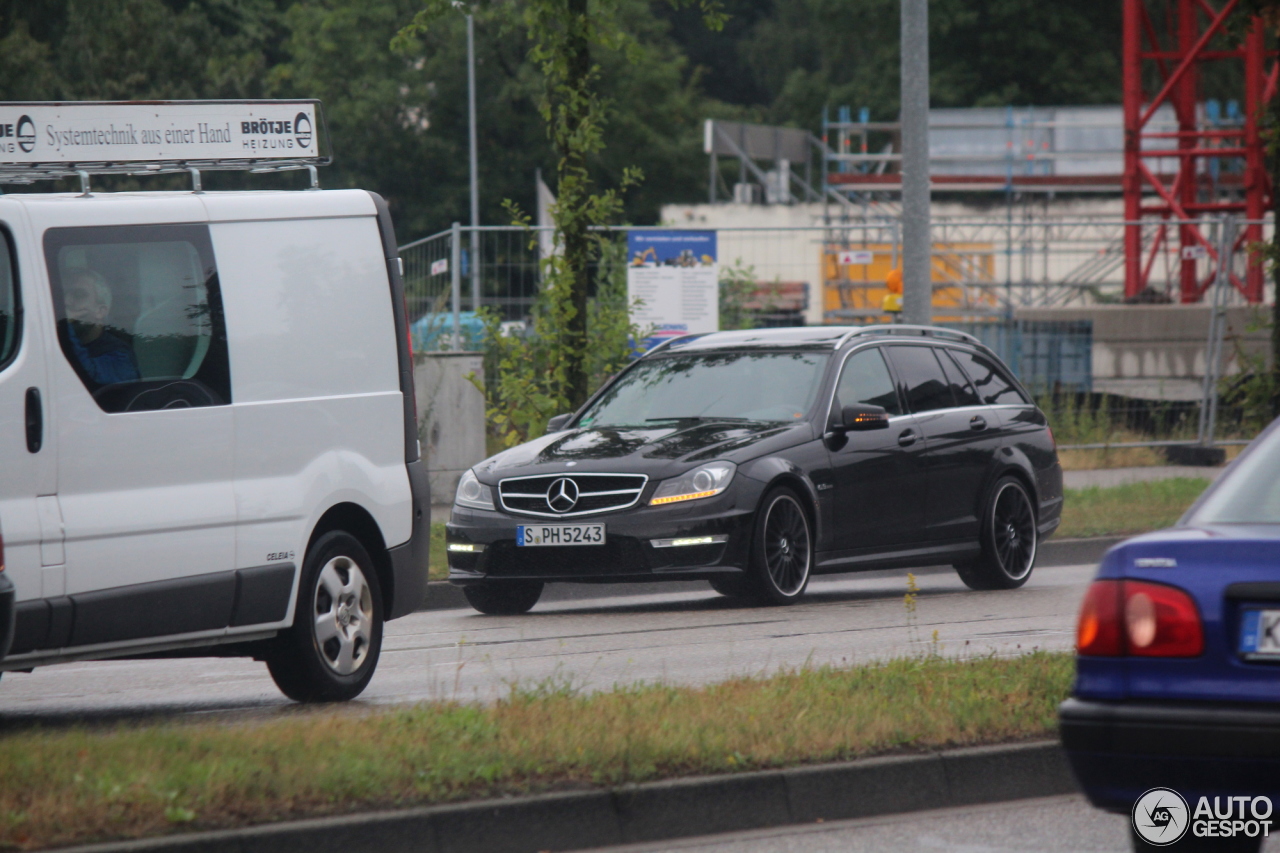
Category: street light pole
[475,174]
[917,243]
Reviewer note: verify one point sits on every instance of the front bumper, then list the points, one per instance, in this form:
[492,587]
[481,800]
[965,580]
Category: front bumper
[627,556]
[1118,750]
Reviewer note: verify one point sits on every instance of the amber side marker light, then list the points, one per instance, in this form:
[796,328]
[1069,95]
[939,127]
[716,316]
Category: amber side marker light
[1128,617]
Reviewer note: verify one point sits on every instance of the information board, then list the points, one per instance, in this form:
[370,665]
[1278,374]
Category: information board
[676,278]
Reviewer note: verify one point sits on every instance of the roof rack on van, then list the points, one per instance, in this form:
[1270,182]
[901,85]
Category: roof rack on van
[47,140]
[912,331]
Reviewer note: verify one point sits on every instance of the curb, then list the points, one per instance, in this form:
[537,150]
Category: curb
[442,595]
[657,811]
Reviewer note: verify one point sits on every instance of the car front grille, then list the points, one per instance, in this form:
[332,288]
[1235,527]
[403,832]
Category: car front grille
[595,493]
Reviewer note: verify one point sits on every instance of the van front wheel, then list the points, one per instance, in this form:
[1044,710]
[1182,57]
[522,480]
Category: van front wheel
[331,651]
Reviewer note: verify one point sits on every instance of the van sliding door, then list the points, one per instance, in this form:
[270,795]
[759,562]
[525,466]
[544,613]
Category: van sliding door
[143,395]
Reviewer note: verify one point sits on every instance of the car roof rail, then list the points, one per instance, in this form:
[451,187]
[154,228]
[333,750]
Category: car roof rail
[914,331]
[666,343]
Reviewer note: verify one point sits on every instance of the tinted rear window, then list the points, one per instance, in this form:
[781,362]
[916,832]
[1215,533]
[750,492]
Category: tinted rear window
[1250,494]
[994,386]
[921,377]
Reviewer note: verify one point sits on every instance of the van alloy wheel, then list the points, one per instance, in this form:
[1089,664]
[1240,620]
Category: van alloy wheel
[343,613]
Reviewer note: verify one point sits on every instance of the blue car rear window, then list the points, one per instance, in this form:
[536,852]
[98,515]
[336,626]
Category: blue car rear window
[1250,494]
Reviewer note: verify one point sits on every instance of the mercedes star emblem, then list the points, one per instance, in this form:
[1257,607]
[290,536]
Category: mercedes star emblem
[563,495]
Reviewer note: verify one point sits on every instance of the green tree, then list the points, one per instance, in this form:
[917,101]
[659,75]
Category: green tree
[566,39]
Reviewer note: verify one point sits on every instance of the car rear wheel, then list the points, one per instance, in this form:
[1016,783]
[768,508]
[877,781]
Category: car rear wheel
[1008,538]
[331,651]
[503,598]
[782,549]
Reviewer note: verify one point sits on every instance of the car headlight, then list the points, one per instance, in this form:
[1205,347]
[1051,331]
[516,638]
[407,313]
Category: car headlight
[473,493]
[704,482]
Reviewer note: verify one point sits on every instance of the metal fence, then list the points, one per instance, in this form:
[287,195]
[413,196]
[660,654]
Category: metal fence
[984,270]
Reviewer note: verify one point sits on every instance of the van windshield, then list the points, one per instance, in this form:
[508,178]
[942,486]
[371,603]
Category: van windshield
[1250,494]
[753,386]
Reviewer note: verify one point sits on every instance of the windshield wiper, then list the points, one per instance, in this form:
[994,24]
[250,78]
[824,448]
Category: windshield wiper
[699,418]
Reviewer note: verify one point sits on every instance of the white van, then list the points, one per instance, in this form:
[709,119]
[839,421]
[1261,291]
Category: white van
[207,433]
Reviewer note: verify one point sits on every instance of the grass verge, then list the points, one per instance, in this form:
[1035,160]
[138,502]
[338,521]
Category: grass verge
[79,785]
[438,568]
[1131,508]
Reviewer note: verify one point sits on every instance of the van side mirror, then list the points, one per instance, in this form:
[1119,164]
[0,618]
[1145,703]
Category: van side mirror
[864,416]
[557,423]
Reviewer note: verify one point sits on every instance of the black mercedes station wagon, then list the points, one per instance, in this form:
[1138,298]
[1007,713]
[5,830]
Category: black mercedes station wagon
[756,459]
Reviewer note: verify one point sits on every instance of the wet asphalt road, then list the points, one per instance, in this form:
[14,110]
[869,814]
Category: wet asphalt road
[687,637]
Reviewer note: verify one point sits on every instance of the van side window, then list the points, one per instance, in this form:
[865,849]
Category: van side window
[865,379]
[139,315]
[923,382]
[10,307]
[993,386]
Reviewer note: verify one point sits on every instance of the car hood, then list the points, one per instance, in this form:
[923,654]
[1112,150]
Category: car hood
[659,451]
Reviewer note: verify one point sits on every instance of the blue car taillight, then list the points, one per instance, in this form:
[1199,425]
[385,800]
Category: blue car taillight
[1128,617]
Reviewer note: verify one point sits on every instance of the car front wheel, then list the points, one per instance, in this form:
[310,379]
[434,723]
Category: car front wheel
[331,651]
[1008,539]
[782,549]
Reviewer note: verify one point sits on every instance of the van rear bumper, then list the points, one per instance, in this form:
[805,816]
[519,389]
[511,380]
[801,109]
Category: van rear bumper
[409,561]
[6,615]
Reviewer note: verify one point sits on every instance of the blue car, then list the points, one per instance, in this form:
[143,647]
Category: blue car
[1177,696]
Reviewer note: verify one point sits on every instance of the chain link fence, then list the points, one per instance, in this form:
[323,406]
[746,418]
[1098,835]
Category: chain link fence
[986,272]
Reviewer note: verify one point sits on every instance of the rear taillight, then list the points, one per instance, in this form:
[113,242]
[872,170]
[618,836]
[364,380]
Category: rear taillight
[1127,617]
[1098,632]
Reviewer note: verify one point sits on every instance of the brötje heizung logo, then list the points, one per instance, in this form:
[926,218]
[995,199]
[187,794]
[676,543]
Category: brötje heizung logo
[1160,816]
[26,134]
[302,130]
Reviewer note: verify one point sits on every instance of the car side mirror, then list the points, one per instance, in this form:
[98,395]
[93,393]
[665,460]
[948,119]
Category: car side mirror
[557,423]
[864,416]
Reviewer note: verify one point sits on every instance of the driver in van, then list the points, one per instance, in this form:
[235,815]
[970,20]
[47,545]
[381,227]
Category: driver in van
[105,357]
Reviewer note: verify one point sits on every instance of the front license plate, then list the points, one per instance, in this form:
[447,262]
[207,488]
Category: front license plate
[530,535]
[1260,633]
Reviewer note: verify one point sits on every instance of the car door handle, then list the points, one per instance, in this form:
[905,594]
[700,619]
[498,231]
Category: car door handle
[907,438]
[977,422]
[35,421]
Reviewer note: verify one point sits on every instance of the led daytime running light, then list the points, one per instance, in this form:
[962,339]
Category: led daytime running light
[465,548]
[675,498]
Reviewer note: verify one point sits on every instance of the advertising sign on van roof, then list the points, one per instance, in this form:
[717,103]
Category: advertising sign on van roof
[211,134]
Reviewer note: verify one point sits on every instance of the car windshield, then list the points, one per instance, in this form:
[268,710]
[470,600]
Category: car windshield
[1250,494]
[754,386]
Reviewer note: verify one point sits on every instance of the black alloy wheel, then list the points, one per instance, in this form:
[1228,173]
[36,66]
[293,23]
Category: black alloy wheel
[503,598]
[1009,540]
[331,651]
[782,553]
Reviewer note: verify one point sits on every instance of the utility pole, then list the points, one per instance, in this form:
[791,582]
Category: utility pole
[475,174]
[917,242]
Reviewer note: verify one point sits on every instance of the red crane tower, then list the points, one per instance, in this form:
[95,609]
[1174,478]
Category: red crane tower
[1178,54]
